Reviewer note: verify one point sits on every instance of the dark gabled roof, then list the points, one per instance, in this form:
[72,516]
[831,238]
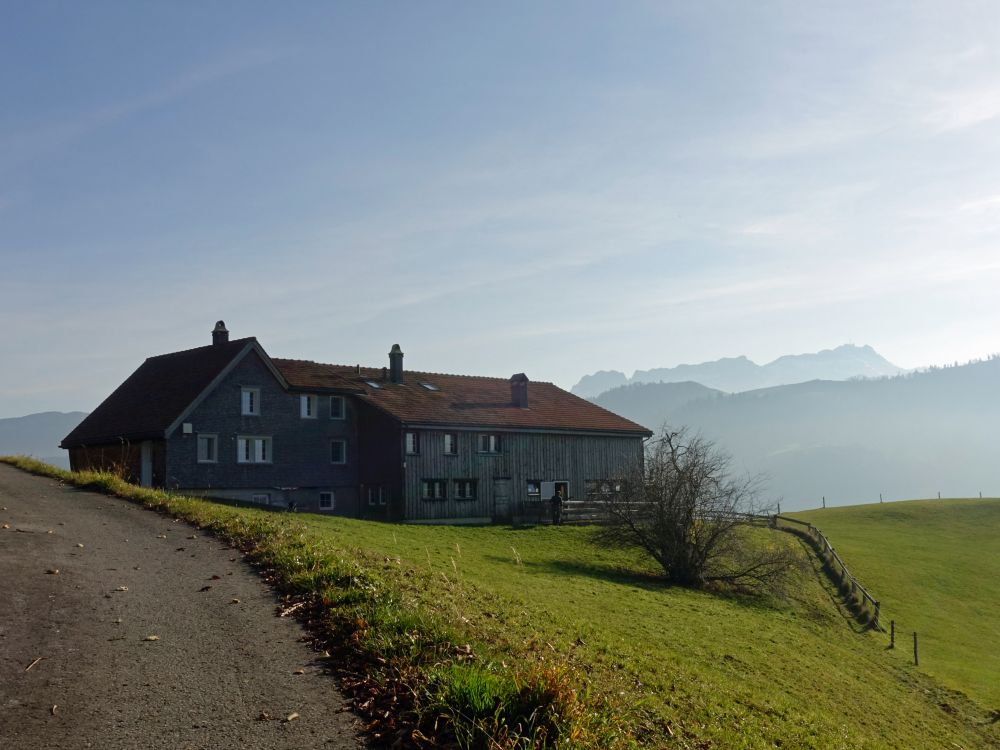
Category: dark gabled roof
[459,400]
[155,395]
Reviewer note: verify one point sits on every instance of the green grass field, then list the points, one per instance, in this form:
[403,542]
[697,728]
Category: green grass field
[650,666]
[935,566]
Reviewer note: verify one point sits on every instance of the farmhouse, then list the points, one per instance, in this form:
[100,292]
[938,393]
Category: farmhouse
[229,421]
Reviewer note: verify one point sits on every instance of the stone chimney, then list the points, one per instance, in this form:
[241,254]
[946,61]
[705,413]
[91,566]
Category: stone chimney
[519,390]
[396,364]
[220,335]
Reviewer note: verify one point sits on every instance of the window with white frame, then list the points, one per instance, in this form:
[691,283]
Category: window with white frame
[263,498]
[488,442]
[250,401]
[376,495]
[326,500]
[307,406]
[434,489]
[412,442]
[338,451]
[451,444]
[208,449]
[252,449]
[465,489]
[534,489]
[337,410]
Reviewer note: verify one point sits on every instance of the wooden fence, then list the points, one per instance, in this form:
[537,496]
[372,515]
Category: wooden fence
[849,585]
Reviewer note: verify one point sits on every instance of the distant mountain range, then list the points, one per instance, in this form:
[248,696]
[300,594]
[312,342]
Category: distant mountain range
[912,435]
[736,374]
[39,435]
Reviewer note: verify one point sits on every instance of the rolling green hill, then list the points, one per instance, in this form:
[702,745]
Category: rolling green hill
[649,666]
[935,566]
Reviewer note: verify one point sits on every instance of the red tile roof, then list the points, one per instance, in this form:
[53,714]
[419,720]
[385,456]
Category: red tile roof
[459,400]
[153,396]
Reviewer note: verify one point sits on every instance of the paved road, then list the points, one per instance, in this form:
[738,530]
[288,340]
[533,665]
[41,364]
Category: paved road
[215,669]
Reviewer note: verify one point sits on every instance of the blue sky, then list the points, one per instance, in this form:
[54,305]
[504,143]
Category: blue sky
[552,188]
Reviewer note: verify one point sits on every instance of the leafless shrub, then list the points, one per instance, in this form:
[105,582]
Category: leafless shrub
[686,509]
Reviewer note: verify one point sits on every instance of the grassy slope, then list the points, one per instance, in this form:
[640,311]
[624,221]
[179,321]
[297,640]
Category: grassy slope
[669,667]
[936,567]
[718,668]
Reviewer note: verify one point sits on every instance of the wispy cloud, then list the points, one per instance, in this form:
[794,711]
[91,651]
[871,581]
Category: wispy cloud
[47,137]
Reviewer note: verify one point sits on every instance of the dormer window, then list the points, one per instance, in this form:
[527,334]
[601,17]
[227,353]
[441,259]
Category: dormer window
[307,406]
[250,402]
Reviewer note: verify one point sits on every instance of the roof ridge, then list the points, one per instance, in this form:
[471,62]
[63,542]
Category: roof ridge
[353,368]
[198,348]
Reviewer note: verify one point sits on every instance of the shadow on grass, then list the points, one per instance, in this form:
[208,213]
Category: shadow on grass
[846,606]
[647,580]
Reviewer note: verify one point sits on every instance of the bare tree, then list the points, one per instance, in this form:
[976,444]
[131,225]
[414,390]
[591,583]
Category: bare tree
[686,509]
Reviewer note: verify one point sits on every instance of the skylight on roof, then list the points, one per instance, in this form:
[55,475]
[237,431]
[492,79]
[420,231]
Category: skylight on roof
[430,386]
[373,384]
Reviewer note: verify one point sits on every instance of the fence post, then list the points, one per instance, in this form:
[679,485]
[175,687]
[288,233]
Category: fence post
[892,634]
[824,501]
[878,611]
[916,656]
[880,498]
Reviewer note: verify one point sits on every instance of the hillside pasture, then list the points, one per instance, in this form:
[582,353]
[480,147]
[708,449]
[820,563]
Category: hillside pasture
[464,611]
[935,566]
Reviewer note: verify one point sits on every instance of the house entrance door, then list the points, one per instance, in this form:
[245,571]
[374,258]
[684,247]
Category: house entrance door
[501,499]
[146,464]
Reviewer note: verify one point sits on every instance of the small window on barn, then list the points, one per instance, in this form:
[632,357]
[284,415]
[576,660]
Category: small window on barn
[451,444]
[434,489]
[307,406]
[337,410]
[338,451]
[208,449]
[261,498]
[376,495]
[488,442]
[534,489]
[465,489]
[412,440]
[326,501]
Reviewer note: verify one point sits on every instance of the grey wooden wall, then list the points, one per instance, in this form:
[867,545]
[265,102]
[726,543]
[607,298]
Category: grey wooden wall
[523,457]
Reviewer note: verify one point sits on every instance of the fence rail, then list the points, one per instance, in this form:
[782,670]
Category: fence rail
[848,582]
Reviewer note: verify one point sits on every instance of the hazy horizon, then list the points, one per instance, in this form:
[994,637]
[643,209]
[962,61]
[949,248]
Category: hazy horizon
[553,189]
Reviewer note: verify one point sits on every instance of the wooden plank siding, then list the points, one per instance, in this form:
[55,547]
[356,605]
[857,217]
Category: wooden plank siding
[523,456]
